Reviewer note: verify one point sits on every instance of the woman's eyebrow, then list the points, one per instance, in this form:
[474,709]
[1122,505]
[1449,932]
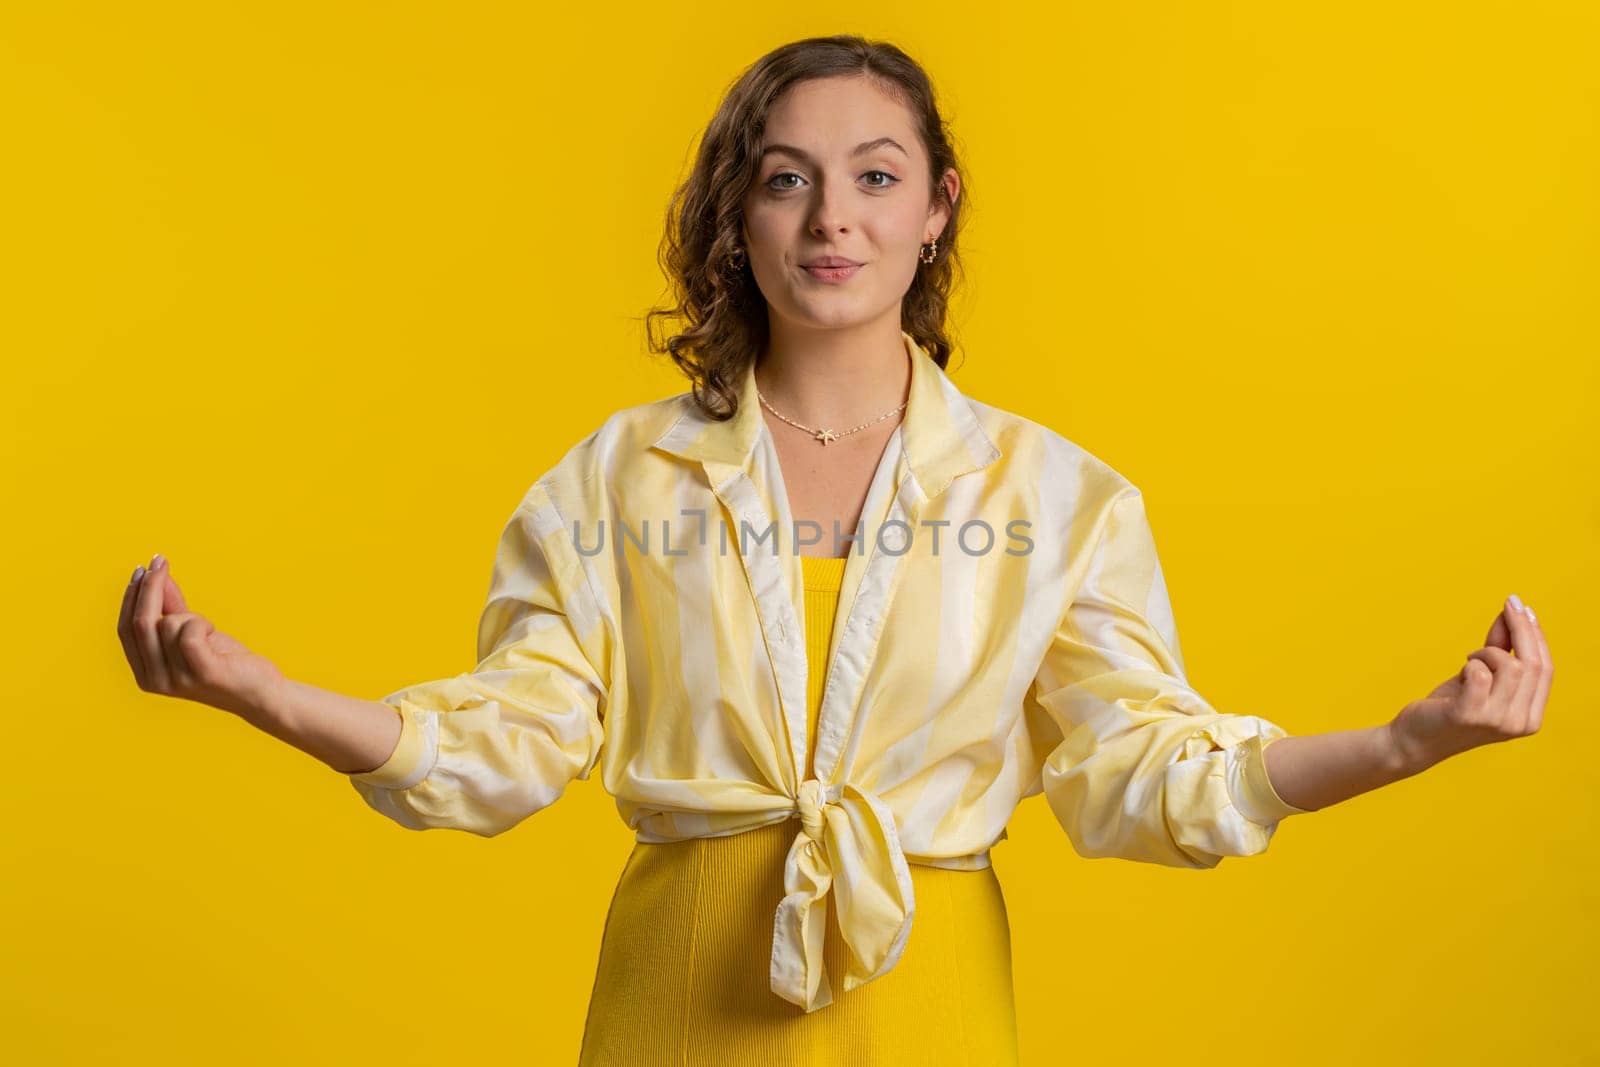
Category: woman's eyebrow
[860,149]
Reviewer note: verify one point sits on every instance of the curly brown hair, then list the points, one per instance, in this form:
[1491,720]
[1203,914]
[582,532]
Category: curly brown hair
[714,291]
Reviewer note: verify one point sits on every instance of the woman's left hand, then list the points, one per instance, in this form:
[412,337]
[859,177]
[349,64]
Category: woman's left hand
[1496,696]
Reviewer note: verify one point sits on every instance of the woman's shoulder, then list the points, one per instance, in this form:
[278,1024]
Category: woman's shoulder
[1044,456]
[614,454]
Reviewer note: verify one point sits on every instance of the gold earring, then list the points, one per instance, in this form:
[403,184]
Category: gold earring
[930,251]
[736,258]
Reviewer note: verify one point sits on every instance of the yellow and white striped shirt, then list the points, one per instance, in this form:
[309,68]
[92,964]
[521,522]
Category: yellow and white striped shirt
[1003,630]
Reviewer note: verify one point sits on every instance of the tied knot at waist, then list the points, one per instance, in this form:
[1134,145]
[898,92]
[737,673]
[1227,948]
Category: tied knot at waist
[848,848]
[808,805]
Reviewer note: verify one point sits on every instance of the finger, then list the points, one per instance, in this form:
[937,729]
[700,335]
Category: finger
[1521,627]
[1525,641]
[1547,671]
[193,648]
[125,631]
[173,611]
[172,599]
[1493,658]
[1499,635]
[1476,680]
[1507,673]
[145,615]
[181,658]
[168,627]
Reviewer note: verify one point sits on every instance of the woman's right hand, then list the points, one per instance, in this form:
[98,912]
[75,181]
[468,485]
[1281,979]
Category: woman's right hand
[177,652]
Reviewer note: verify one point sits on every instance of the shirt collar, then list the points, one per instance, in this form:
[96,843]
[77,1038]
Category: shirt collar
[940,431]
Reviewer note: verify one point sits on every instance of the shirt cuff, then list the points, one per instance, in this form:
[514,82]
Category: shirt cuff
[1253,792]
[399,770]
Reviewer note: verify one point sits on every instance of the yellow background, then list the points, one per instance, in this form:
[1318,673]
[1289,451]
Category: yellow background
[305,296]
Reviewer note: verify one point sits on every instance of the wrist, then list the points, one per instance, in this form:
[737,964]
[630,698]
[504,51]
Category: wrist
[269,706]
[1400,757]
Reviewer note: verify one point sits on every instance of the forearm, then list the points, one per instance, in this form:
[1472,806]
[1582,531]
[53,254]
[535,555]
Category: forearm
[1315,770]
[350,735]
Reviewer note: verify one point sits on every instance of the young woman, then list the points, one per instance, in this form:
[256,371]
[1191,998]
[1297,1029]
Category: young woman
[823,586]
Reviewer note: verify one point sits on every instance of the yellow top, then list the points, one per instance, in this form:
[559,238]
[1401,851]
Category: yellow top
[1005,632]
[685,958]
[822,578]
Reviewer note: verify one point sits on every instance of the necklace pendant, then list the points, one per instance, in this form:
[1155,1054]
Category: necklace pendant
[825,436]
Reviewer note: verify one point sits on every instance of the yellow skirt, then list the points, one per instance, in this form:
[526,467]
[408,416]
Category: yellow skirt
[683,971]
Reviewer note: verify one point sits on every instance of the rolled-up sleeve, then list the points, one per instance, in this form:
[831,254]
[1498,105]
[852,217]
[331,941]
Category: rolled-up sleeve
[1138,765]
[484,750]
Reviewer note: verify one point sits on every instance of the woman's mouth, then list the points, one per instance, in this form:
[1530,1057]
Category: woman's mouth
[833,274]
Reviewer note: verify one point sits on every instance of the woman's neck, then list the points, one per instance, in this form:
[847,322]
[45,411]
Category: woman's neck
[836,378]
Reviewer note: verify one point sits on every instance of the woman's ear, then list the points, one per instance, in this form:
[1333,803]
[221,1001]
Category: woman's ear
[940,210]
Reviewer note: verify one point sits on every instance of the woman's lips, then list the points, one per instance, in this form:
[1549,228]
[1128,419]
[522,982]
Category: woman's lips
[833,274]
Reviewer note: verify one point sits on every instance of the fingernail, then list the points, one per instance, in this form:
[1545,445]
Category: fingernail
[136,572]
[1531,615]
[157,558]
[1515,602]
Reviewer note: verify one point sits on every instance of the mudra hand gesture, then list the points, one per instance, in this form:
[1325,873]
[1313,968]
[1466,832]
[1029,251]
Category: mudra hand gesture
[1499,694]
[177,652]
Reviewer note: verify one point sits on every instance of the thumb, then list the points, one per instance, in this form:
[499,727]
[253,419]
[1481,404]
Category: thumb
[171,597]
[1476,676]
[1499,631]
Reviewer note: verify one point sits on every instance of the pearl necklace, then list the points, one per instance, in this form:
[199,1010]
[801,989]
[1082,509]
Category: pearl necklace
[825,435]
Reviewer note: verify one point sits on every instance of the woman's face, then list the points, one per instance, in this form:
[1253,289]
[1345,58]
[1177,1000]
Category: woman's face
[818,196]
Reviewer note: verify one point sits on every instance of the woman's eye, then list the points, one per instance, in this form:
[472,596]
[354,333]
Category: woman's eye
[790,174]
